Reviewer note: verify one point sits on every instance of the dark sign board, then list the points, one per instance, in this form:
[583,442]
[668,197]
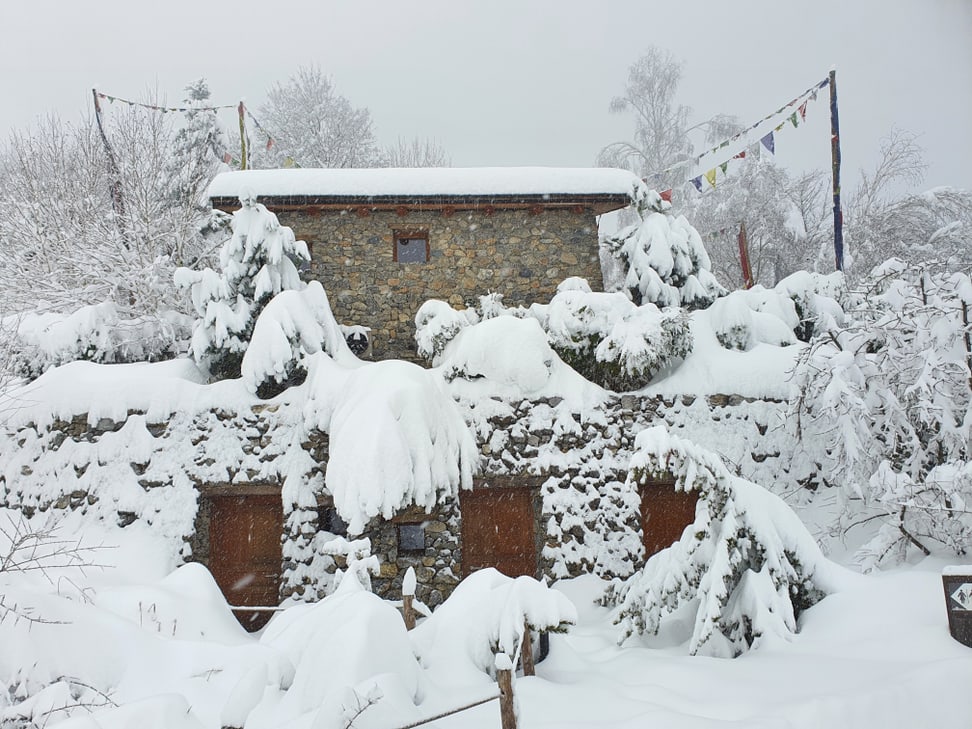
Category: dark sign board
[958,602]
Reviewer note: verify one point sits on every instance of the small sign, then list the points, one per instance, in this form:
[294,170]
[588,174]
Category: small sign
[962,595]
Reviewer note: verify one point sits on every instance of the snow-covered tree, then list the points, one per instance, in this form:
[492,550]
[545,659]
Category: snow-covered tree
[257,263]
[747,564]
[293,325]
[198,152]
[414,152]
[315,126]
[65,248]
[760,194]
[665,260]
[883,407]
[661,135]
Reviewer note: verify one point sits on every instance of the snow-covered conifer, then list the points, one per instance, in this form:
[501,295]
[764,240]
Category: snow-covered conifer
[666,263]
[747,561]
[257,263]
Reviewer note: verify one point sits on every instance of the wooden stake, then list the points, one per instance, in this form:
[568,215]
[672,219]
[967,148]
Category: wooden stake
[504,677]
[408,611]
[526,653]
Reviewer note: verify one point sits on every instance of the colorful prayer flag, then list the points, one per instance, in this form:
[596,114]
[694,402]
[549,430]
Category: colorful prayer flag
[710,177]
[770,143]
[793,119]
[697,181]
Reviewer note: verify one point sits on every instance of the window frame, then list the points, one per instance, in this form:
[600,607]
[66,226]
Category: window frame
[411,235]
[399,541]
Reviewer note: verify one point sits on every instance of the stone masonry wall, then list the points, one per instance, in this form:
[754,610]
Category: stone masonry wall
[517,253]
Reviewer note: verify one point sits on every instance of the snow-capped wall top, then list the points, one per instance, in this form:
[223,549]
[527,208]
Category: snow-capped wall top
[428,181]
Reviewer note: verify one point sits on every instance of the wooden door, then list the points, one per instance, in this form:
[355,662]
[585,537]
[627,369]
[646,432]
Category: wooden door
[498,531]
[665,513]
[245,553]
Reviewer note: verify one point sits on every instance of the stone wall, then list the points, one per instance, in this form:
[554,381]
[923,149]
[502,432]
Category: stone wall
[574,462]
[518,253]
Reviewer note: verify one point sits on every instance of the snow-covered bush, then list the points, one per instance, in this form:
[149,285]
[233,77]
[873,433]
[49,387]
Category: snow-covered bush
[485,615]
[257,263]
[666,263]
[611,341]
[504,350]
[747,565]
[814,295]
[437,324]
[744,318]
[883,407]
[292,325]
[99,333]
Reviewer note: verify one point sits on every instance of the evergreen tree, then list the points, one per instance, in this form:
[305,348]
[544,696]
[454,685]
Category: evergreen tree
[666,263]
[256,263]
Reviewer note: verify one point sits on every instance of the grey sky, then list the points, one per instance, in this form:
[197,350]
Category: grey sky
[510,82]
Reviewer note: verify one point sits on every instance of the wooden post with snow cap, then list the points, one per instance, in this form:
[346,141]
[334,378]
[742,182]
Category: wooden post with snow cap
[526,652]
[408,598]
[504,677]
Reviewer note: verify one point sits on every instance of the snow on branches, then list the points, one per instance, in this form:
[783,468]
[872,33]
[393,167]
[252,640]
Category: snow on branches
[603,336]
[293,325]
[747,562]
[256,263]
[884,406]
[666,263]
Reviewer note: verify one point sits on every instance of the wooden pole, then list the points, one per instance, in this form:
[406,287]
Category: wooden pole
[747,270]
[408,611]
[242,111]
[504,677]
[835,161]
[526,652]
[114,175]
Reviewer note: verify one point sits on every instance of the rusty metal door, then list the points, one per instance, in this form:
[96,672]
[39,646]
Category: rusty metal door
[665,513]
[245,552]
[498,531]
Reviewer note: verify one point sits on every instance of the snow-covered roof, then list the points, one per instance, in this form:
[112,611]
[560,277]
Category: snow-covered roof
[426,182]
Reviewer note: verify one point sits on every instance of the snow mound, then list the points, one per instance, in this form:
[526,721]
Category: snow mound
[485,615]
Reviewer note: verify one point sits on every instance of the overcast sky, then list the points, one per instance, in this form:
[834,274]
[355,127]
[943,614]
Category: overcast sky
[514,82]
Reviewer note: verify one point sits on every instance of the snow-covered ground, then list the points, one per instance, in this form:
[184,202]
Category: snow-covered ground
[136,644]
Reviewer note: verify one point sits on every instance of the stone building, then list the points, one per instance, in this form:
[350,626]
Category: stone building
[383,241]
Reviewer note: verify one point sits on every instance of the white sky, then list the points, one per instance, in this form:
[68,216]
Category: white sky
[509,82]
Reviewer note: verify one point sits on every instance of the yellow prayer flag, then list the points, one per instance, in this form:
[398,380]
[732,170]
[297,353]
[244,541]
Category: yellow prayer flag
[710,176]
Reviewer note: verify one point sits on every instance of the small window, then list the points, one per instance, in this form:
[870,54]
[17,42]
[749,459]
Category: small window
[328,520]
[411,538]
[412,246]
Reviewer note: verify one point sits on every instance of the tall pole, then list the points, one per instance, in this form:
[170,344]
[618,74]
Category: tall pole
[242,111]
[835,158]
[114,174]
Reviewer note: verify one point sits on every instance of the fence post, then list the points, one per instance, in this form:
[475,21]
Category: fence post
[526,652]
[504,677]
[408,597]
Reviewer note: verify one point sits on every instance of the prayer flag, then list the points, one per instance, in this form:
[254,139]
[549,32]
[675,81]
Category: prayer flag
[769,143]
